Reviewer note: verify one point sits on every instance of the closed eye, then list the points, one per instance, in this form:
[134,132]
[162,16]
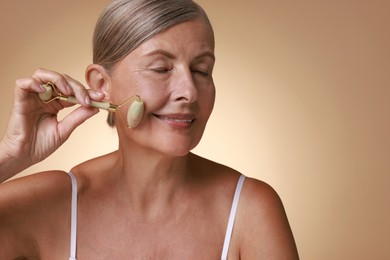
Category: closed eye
[161,70]
[201,72]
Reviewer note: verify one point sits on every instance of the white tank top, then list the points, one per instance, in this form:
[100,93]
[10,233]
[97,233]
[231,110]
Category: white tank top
[229,229]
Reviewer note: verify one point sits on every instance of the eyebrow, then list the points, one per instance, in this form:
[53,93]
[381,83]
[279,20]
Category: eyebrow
[171,56]
[206,54]
[161,52]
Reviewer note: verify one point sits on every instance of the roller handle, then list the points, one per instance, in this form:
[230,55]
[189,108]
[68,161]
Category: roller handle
[134,114]
[47,96]
[101,105]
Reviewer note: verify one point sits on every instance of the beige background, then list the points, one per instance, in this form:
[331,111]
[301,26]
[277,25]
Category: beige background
[303,102]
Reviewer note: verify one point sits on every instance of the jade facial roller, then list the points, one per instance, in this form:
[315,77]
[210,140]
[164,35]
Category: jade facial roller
[134,113]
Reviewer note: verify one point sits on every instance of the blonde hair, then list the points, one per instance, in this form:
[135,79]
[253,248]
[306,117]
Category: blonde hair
[125,24]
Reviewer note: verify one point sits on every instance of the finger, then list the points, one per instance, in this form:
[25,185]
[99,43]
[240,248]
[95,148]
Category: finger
[25,94]
[95,95]
[80,92]
[44,76]
[70,122]
[26,99]
[29,85]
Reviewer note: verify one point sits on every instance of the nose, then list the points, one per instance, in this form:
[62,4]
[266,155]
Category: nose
[185,89]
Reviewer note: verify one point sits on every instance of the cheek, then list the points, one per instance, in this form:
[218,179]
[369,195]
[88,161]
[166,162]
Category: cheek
[126,83]
[121,91]
[134,84]
[151,90]
[154,98]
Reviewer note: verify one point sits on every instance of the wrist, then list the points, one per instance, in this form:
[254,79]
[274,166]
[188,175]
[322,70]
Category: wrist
[10,162]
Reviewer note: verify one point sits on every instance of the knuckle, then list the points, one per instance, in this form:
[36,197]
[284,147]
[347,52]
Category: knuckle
[19,82]
[23,83]
[38,71]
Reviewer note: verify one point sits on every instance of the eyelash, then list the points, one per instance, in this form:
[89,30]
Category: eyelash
[161,70]
[201,72]
[166,70]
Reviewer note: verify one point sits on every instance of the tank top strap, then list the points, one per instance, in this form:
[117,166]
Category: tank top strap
[228,235]
[232,217]
[73,223]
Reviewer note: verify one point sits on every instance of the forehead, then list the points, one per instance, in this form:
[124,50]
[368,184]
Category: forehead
[189,36]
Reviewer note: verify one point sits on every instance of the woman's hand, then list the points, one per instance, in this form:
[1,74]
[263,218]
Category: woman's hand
[33,130]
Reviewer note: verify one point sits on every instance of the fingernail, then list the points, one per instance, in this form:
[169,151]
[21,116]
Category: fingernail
[69,90]
[87,100]
[42,88]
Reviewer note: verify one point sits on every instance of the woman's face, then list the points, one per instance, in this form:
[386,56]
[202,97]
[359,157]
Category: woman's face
[172,73]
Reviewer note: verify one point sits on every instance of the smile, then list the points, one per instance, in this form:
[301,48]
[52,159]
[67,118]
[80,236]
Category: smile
[179,121]
[176,119]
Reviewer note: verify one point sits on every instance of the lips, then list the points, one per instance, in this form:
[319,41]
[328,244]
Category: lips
[181,121]
[176,119]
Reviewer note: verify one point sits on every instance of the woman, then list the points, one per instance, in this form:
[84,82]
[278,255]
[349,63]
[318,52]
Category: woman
[152,198]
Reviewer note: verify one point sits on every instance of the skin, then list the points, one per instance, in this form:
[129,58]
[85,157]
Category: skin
[151,196]
[33,132]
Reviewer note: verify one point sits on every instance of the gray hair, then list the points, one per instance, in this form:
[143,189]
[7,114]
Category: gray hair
[126,24]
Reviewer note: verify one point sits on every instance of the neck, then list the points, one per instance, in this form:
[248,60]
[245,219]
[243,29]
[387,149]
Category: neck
[146,168]
[147,179]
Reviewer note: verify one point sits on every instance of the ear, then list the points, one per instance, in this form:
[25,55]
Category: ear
[98,79]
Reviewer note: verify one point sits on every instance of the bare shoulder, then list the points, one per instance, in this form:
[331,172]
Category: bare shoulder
[261,229]
[264,231]
[27,205]
[260,196]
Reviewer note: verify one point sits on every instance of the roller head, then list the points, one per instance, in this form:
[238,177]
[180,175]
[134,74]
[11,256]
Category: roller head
[135,113]
[47,95]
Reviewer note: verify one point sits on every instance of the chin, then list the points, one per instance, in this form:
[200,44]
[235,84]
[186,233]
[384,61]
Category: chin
[178,151]
[169,144]
[177,148]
